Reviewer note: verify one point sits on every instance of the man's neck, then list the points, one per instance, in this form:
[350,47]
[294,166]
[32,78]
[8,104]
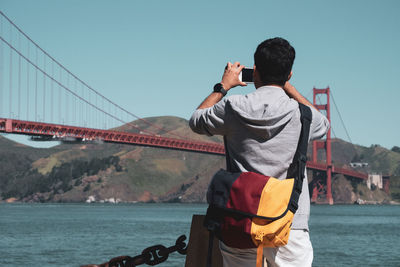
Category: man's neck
[262,85]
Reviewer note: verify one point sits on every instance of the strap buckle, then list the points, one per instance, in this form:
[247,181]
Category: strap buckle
[293,206]
[303,158]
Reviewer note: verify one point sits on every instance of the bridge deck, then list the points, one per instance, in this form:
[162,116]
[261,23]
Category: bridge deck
[79,133]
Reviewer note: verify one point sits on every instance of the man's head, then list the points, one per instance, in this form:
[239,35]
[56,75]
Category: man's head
[274,60]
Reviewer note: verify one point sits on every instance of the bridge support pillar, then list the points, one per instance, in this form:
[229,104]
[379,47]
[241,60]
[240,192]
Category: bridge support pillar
[317,190]
[329,197]
[8,125]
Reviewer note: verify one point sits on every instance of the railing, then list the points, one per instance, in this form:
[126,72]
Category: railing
[344,171]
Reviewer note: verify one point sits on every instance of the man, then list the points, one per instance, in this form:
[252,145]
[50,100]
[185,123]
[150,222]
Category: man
[261,132]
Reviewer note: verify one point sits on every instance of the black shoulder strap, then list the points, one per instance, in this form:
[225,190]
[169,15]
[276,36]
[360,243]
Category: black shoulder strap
[298,166]
[300,156]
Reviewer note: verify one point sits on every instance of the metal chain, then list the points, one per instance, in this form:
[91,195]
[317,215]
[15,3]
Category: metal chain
[151,256]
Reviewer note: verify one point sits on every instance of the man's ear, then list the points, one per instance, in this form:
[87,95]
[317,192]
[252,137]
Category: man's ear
[256,74]
[290,75]
[256,77]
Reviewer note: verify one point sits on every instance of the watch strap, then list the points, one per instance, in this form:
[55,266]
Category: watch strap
[218,88]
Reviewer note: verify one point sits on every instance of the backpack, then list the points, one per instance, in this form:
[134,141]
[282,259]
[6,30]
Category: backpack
[252,210]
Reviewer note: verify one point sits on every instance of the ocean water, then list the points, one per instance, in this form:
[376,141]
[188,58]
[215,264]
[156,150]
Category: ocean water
[77,234]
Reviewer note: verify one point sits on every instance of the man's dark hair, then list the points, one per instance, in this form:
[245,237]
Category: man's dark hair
[274,60]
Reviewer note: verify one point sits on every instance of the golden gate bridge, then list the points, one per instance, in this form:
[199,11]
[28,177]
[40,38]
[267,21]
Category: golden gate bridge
[41,98]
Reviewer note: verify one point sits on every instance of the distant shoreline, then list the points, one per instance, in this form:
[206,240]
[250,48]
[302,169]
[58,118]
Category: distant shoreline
[16,201]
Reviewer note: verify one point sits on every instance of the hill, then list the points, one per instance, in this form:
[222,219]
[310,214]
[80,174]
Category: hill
[110,172]
[73,172]
[380,160]
[16,159]
[344,190]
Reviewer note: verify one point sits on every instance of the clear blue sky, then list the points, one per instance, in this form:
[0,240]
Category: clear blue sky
[163,57]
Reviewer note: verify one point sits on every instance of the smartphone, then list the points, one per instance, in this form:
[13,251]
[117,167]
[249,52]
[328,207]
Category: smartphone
[246,75]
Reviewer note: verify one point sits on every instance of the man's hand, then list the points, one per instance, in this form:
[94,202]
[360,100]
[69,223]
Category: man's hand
[230,78]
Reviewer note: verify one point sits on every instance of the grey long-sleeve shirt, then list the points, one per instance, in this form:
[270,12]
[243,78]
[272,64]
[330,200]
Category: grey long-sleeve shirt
[262,130]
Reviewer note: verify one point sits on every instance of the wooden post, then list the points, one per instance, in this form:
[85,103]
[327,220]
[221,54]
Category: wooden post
[198,245]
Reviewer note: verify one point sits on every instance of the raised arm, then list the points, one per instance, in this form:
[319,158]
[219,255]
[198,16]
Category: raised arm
[319,124]
[292,92]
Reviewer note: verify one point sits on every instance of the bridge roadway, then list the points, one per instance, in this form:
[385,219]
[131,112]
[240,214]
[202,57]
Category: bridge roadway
[88,134]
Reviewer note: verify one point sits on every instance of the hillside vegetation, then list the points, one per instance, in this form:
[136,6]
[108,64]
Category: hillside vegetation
[104,171]
[73,172]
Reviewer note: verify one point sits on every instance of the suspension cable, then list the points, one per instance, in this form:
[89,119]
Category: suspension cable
[63,86]
[89,87]
[341,119]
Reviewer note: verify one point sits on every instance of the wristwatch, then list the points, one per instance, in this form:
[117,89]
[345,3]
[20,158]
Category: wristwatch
[218,88]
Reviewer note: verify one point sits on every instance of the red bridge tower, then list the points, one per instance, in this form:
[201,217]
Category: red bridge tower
[323,144]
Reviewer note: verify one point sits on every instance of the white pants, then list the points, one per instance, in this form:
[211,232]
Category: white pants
[297,253]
